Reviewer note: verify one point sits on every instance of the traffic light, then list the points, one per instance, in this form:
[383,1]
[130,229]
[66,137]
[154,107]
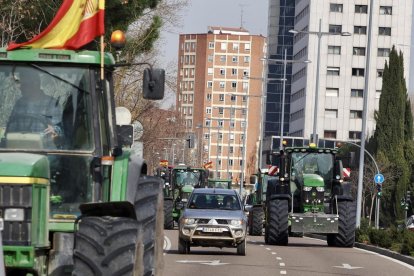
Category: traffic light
[379,190]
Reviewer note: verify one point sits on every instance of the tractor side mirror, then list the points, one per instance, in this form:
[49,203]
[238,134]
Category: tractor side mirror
[153,84]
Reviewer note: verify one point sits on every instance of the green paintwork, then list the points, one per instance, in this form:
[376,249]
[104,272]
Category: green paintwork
[62,225]
[63,56]
[187,189]
[40,215]
[120,176]
[313,180]
[24,164]
[19,256]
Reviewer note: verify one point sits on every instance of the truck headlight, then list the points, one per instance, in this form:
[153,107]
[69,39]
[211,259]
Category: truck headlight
[189,221]
[14,214]
[235,222]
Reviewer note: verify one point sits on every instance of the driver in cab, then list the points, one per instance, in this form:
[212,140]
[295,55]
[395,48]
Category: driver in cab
[35,111]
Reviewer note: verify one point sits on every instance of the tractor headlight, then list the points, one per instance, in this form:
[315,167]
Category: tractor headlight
[307,188]
[320,189]
[235,222]
[14,214]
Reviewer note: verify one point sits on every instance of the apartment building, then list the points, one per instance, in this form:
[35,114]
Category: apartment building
[343,37]
[219,98]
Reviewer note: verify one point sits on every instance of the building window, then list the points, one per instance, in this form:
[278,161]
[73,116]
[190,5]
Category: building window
[230,162]
[223,58]
[331,113]
[243,124]
[246,72]
[360,30]
[235,59]
[233,98]
[245,86]
[336,7]
[220,123]
[190,110]
[208,97]
[206,136]
[223,46]
[329,134]
[354,135]
[355,114]
[232,124]
[209,84]
[221,110]
[211,45]
[231,136]
[383,52]
[210,71]
[208,122]
[235,46]
[244,99]
[231,150]
[208,110]
[386,10]
[210,58]
[222,84]
[335,29]
[233,84]
[234,71]
[334,50]
[361,8]
[333,71]
[246,59]
[358,72]
[221,97]
[222,71]
[384,31]
[243,111]
[358,51]
[247,46]
[380,73]
[357,93]
[219,149]
[332,92]
[220,136]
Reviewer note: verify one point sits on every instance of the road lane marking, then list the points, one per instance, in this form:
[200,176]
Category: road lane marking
[261,245]
[274,253]
[278,258]
[283,272]
[347,266]
[388,258]
[267,248]
[213,262]
[167,244]
[282,264]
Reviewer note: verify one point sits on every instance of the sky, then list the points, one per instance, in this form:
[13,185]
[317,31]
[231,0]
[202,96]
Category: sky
[200,14]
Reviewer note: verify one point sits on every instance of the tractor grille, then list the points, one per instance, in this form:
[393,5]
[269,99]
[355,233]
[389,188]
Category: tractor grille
[16,196]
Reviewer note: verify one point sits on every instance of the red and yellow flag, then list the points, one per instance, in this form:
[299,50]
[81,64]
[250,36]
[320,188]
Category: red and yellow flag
[76,23]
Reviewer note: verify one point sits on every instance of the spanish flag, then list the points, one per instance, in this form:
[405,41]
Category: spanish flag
[76,23]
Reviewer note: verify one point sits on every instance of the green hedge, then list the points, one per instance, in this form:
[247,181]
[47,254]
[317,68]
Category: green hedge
[399,240]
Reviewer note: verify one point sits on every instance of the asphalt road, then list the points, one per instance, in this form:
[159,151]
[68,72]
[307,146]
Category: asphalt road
[303,256]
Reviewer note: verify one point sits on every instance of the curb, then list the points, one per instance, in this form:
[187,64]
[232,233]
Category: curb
[382,251]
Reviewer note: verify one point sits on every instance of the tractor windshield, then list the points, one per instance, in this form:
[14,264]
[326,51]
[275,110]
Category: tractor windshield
[303,163]
[44,108]
[184,177]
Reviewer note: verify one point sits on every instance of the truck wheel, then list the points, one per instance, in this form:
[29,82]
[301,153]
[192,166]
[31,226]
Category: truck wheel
[346,225]
[256,222]
[241,248]
[105,246]
[183,246]
[168,214]
[278,222]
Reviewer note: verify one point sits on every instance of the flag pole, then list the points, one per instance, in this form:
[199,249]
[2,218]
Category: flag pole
[102,58]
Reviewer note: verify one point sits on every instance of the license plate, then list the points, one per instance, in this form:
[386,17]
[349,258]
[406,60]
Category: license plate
[213,230]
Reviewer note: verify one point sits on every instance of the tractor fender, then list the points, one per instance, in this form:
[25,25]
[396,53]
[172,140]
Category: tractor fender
[113,209]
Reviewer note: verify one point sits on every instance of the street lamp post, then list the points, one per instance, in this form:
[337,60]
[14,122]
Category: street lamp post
[319,34]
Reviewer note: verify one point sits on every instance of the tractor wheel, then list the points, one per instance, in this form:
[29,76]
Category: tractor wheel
[256,222]
[106,246]
[241,248]
[278,222]
[168,214]
[346,226]
[183,247]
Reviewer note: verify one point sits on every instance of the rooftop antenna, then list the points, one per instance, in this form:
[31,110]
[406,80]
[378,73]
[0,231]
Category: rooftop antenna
[241,14]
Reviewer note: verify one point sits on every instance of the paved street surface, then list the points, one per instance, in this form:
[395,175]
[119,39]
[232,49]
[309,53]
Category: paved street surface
[303,256]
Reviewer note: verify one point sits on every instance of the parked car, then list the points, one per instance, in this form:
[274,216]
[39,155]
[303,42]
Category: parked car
[213,218]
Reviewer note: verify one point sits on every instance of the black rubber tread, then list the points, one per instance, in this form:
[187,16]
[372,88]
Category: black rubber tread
[241,248]
[103,246]
[183,247]
[256,226]
[168,214]
[278,223]
[346,225]
[149,207]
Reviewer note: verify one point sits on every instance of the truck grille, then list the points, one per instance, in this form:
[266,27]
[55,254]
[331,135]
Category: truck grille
[16,196]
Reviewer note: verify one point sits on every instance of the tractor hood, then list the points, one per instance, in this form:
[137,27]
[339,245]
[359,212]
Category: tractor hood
[24,164]
[187,189]
[313,180]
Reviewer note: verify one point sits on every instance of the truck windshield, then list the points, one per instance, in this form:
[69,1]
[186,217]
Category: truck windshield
[312,163]
[45,108]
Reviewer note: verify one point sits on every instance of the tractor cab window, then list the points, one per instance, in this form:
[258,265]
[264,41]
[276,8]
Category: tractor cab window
[187,178]
[311,163]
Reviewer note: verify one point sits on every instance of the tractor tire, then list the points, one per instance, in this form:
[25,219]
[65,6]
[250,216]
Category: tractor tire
[278,223]
[256,222]
[168,214]
[346,225]
[241,248]
[106,246]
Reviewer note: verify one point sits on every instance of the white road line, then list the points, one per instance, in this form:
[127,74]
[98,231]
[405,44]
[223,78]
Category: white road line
[274,253]
[278,258]
[282,264]
[261,245]
[167,244]
[283,272]
[386,257]
[267,248]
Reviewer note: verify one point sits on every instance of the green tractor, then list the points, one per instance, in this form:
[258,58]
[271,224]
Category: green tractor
[74,199]
[219,183]
[183,181]
[310,196]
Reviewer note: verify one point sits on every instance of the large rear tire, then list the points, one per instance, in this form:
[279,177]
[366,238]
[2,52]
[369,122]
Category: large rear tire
[346,225]
[168,214]
[256,222]
[278,225]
